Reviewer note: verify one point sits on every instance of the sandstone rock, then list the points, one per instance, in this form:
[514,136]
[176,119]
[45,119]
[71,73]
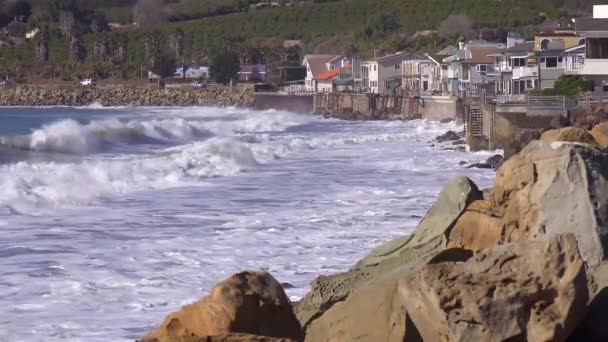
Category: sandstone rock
[387,263]
[526,291]
[553,188]
[477,228]
[600,133]
[226,338]
[569,134]
[247,302]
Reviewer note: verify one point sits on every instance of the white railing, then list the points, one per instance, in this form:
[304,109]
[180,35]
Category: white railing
[575,64]
[521,72]
[503,67]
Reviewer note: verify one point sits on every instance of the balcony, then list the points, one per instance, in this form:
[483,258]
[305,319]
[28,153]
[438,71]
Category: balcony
[522,72]
[503,67]
[594,67]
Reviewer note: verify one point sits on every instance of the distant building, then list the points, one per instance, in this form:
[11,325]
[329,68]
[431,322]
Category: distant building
[595,32]
[383,75]
[254,73]
[337,79]
[319,64]
[472,68]
[32,34]
[188,72]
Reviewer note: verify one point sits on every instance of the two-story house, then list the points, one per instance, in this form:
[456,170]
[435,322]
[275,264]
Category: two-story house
[471,68]
[516,69]
[319,64]
[424,75]
[595,32]
[383,75]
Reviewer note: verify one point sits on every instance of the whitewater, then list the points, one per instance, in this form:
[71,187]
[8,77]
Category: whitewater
[110,218]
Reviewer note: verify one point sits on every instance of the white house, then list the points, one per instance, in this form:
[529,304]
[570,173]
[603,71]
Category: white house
[319,64]
[188,72]
[595,32]
[383,75]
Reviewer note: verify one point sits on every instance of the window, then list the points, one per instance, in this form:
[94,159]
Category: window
[482,68]
[519,62]
[605,89]
[597,48]
[551,62]
[397,66]
[544,44]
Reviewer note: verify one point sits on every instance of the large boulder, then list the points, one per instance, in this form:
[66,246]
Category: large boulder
[226,338]
[569,134]
[247,302]
[455,196]
[526,291]
[379,273]
[600,133]
[477,228]
[521,140]
[553,188]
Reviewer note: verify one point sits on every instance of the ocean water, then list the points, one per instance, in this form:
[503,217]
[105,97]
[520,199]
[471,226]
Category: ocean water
[110,218]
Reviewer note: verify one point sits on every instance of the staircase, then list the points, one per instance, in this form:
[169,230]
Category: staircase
[473,121]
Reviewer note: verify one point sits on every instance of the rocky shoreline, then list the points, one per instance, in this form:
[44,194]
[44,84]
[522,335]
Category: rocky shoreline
[125,96]
[525,260]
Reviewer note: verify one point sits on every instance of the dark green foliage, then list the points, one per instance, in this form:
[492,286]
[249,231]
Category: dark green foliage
[361,25]
[224,66]
[164,65]
[569,85]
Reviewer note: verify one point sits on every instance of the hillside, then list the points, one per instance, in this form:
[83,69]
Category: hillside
[356,26]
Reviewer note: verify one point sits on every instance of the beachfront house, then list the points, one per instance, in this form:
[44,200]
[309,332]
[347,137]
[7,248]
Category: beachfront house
[595,33]
[382,75]
[338,79]
[471,68]
[319,64]
[426,75]
[516,68]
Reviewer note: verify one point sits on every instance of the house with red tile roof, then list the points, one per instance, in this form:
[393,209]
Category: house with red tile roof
[337,79]
[317,65]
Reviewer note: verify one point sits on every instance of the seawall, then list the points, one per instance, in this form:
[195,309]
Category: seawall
[363,106]
[124,96]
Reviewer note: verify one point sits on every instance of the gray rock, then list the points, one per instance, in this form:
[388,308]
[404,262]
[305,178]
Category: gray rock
[389,262]
[553,188]
[526,291]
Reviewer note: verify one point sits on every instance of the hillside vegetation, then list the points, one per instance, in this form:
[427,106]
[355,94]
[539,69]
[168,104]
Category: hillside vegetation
[352,26]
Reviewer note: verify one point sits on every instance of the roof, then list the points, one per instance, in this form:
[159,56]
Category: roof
[523,47]
[331,73]
[550,53]
[591,25]
[447,51]
[317,62]
[479,55]
[253,68]
[400,56]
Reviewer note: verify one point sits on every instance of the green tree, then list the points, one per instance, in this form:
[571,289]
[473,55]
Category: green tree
[569,85]
[164,66]
[224,66]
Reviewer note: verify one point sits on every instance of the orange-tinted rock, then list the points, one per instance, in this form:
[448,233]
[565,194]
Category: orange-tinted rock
[248,302]
[477,228]
[569,134]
